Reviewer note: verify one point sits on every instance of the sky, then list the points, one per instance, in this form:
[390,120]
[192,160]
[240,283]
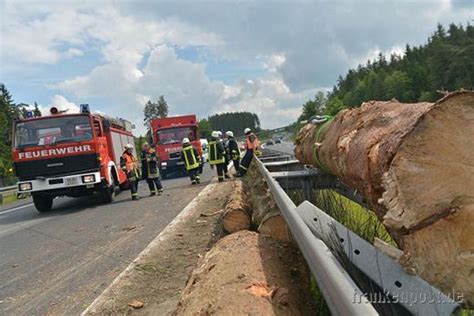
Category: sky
[205,57]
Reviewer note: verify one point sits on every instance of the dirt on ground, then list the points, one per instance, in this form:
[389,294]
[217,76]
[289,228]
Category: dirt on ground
[155,281]
[247,273]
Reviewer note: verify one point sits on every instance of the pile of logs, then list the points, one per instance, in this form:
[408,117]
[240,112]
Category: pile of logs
[251,206]
[414,163]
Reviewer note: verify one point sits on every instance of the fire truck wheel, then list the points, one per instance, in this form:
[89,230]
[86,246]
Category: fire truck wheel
[43,203]
[108,192]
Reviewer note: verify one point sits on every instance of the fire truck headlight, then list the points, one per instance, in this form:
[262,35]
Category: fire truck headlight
[25,186]
[164,164]
[88,179]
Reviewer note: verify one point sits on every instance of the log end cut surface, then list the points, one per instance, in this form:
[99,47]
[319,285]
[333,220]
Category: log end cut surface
[429,192]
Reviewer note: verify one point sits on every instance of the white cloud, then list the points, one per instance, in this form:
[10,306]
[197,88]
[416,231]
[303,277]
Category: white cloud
[62,104]
[297,47]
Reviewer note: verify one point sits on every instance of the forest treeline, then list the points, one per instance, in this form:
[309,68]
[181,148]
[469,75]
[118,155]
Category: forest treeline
[9,110]
[230,121]
[444,63]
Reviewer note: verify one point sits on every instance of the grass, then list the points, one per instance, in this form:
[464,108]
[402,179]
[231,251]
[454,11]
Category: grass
[358,219]
[7,199]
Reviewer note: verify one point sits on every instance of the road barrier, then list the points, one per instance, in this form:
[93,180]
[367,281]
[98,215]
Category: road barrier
[314,231]
[6,191]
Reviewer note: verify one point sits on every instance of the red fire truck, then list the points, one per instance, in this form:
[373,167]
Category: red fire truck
[168,134]
[69,155]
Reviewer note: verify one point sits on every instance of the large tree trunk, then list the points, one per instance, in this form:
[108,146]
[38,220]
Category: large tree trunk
[266,216]
[415,165]
[237,212]
[247,273]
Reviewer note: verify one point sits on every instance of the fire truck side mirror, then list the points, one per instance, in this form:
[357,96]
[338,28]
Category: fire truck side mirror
[106,125]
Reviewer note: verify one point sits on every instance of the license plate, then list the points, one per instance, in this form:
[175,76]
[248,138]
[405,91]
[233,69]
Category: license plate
[71,181]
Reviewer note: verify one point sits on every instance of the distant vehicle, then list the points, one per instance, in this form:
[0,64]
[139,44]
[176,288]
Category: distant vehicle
[69,155]
[278,141]
[168,134]
[270,142]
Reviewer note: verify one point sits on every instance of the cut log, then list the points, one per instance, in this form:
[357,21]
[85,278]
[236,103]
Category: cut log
[237,210]
[415,165]
[265,213]
[247,273]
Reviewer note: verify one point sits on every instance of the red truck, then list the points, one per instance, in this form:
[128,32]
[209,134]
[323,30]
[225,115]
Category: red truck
[168,134]
[69,155]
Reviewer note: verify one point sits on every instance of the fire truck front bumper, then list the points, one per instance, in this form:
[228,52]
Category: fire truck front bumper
[88,180]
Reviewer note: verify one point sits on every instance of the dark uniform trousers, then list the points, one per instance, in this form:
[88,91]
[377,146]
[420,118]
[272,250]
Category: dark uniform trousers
[246,160]
[190,157]
[150,171]
[130,167]
[216,157]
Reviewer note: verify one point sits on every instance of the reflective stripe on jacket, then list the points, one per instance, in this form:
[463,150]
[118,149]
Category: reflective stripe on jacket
[251,142]
[190,157]
[234,149]
[216,152]
[149,164]
[129,165]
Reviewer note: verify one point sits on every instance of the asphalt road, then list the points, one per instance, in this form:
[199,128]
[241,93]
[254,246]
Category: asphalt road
[59,262]
[284,147]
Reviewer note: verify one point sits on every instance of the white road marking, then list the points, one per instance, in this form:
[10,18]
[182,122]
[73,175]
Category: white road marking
[165,234]
[16,208]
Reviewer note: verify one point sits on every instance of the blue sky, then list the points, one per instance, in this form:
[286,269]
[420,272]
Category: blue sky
[209,56]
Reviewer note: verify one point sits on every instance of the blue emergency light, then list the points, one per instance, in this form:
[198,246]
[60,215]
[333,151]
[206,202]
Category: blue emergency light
[29,114]
[85,108]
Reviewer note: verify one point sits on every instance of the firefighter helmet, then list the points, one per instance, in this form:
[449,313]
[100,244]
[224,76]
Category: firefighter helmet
[215,134]
[229,134]
[129,146]
[185,140]
[247,130]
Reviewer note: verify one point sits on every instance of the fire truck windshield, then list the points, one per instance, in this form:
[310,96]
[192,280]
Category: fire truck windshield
[52,130]
[176,135]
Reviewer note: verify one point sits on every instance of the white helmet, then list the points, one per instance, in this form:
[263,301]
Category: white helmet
[129,146]
[185,140]
[247,130]
[229,133]
[215,134]
[220,133]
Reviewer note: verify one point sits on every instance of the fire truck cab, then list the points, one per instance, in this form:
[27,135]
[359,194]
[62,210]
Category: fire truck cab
[168,134]
[69,155]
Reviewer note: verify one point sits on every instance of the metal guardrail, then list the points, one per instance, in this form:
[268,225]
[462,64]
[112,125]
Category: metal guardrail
[308,223]
[8,189]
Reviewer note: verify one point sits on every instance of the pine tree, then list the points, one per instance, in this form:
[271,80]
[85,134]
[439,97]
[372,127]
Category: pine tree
[162,109]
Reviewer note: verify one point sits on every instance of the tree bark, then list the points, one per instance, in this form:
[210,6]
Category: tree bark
[247,273]
[266,216]
[415,165]
[237,213]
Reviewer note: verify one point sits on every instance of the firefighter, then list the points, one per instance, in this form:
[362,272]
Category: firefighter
[192,161]
[150,170]
[129,165]
[233,150]
[216,155]
[225,143]
[251,147]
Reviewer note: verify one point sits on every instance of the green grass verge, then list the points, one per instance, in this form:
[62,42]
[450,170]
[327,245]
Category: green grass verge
[7,199]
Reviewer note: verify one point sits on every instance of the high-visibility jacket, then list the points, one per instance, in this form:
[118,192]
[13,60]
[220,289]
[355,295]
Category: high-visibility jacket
[234,150]
[216,152]
[190,156]
[129,165]
[149,164]
[251,142]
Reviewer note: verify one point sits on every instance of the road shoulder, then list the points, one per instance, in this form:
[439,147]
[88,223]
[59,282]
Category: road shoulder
[159,274]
